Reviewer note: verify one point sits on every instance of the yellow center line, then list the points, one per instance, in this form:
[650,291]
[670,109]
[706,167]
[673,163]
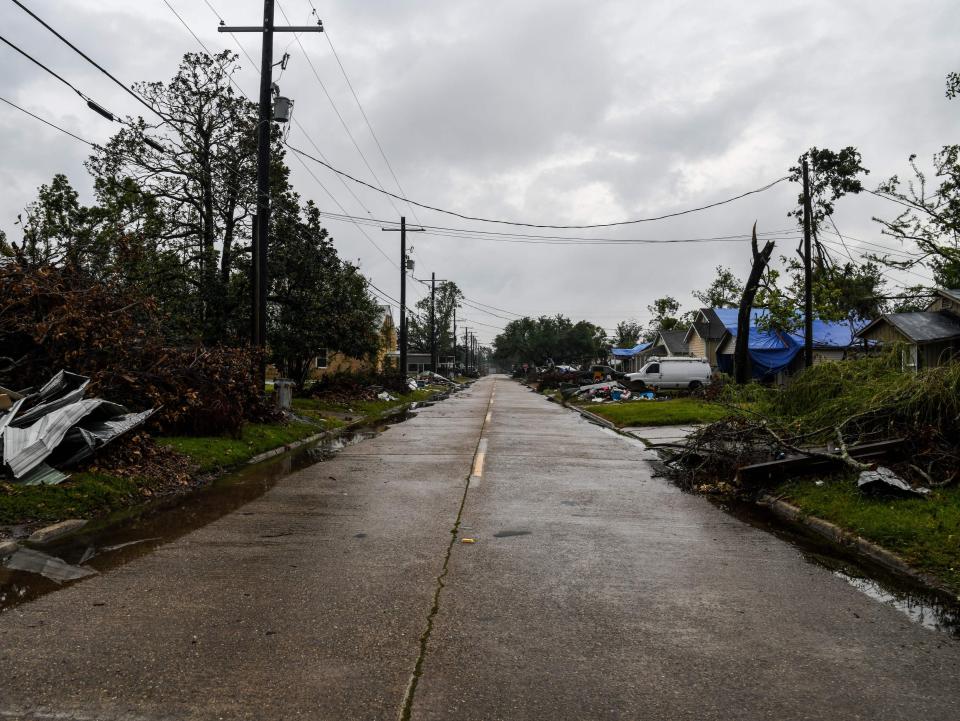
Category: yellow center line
[478,459]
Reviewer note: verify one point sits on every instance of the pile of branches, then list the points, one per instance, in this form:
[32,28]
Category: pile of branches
[554,378]
[345,386]
[55,318]
[827,410]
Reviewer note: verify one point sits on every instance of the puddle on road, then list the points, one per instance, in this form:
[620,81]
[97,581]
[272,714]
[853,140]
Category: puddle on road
[932,610]
[132,533]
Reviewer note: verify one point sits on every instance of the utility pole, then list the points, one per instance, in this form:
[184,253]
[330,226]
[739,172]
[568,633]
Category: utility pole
[433,322]
[807,271]
[466,353]
[405,265]
[261,238]
[454,336]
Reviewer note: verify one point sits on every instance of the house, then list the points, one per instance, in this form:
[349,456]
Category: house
[774,355]
[328,361]
[630,359]
[669,343]
[416,362]
[930,337]
[704,335]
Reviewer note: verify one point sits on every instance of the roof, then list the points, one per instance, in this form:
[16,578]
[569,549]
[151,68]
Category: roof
[673,340]
[951,293]
[707,325]
[630,352]
[920,327]
[826,333]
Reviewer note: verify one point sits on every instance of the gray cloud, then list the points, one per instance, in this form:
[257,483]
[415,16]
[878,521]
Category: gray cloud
[556,112]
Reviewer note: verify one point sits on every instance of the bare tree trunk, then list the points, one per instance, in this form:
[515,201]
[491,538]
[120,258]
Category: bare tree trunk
[760,260]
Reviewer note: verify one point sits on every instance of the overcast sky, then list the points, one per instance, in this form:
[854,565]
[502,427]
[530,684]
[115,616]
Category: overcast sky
[553,112]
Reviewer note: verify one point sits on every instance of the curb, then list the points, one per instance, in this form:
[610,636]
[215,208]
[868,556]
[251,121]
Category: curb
[877,554]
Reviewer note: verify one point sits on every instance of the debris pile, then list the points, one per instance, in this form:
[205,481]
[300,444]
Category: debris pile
[57,427]
[57,318]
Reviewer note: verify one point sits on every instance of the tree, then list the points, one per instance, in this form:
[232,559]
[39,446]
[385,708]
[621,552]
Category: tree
[847,291]
[761,258]
[448,298]
[200,174]
[628,334]
[851,292]
[663,312]
[832,175]
[316,300]
[556,338]
[723,292]
[931,219]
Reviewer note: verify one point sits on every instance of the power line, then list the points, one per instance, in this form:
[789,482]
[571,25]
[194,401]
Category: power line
[343,123]
[536,225]
[47,122]
[363,112]
[90,60]
[561,240]
[36,62]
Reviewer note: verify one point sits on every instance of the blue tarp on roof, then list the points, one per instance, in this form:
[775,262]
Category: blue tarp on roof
[772,351]
[630,352]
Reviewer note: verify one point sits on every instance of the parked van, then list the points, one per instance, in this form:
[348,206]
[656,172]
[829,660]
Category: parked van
[672,372]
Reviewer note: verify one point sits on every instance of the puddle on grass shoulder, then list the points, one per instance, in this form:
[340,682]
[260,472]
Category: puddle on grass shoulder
[927,608]
[135,532]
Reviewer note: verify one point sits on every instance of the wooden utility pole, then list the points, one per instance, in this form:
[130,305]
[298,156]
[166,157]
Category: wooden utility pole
[261,237]
[807,271]
[405,265]
[433,322]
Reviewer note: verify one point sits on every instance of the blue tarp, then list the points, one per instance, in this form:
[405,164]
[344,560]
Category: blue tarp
[772,351]
[630,352]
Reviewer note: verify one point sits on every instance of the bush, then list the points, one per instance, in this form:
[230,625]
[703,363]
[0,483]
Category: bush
[57,318]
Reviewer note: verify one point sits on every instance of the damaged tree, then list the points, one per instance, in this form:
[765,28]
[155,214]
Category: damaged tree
[760,260]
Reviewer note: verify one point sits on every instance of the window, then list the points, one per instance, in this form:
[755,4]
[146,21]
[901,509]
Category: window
[653,368]
[322,358]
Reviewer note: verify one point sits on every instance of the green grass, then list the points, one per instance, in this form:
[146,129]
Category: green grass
[926,532]
[673,412]
[82,496]
[331,412]
[212,452]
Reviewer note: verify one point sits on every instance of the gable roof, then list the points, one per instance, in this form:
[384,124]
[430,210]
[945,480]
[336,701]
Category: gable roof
[707,325]
[920,327]
[673,340]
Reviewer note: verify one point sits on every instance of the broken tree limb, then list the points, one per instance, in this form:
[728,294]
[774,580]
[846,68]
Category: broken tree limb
[760,260]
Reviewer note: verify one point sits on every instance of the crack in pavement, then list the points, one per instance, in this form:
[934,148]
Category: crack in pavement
[406,705]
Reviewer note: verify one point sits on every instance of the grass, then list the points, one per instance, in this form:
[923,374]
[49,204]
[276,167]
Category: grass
[673,412]
[84,495]
[334,413]
[925,532]
[212,452]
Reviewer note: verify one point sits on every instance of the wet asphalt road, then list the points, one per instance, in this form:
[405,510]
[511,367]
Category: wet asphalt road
[593,591]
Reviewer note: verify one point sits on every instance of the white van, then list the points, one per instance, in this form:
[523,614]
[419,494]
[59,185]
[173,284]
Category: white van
[672,372]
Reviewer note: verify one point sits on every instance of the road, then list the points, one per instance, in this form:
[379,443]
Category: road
[593,590]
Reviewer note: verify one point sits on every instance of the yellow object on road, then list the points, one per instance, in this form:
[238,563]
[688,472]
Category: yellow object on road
[468,540]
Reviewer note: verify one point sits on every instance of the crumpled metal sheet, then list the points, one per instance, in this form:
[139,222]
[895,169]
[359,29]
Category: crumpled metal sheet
[24,448]
[90,436]
[44,475]
[62,390]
